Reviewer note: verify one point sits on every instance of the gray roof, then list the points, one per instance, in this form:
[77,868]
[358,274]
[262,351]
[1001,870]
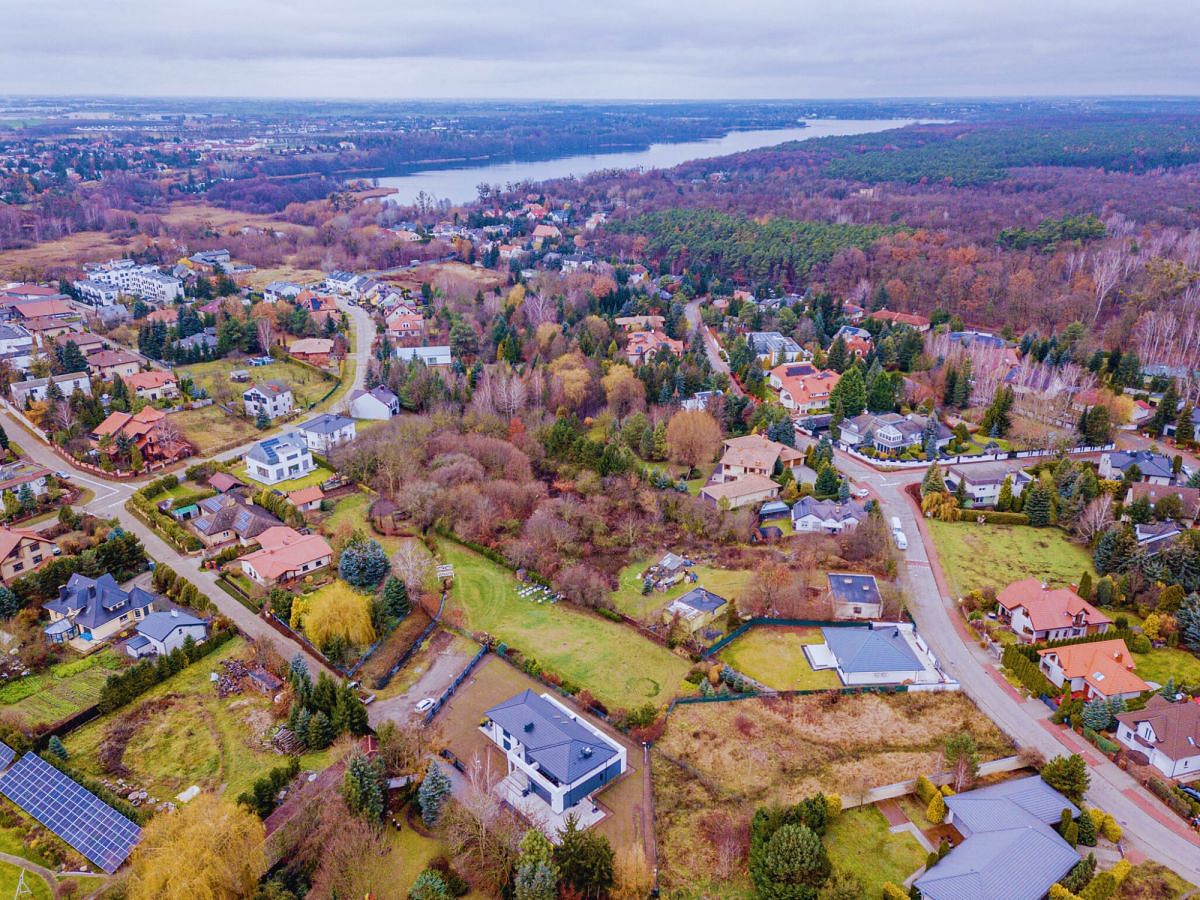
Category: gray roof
[555,742]
[990,473]
[98,600]
[828,509]
[849,588]
[1149,464]
[868,649]
[327,423]
[671,562]
[159,625]
[268,451]
[1013,803]
[703,600]
[771,342]
[137,642]
[228,512]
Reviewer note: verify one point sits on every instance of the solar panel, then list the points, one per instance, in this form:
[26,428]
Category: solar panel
[72,812]
[7,754]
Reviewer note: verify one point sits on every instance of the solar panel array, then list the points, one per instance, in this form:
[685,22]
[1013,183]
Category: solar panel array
[72,812]
[7,754]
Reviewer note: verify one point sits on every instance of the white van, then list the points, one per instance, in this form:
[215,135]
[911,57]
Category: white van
[896,526]
[901,540]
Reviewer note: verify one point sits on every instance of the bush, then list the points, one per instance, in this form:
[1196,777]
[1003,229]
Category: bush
[1121,871]
[993,517]
[935,812]
[925,789]
[894,892]
[1102,887]
[1026,672]
[833,805]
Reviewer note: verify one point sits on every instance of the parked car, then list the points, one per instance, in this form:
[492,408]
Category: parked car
[860,493]
[426,704]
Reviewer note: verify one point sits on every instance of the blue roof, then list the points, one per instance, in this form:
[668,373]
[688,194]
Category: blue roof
[97,600]
[850,588]
[703,600]
[1026,799]
[160,624]
[773,508]
[554,741]
[326,423]
[868,649]
[1149,464]
[137,642]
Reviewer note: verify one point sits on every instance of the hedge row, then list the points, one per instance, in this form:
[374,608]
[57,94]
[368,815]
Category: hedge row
[992,517]
[179,589]
[1028,673]
[164,526]
[127,686]
[158,486]
[1168,795]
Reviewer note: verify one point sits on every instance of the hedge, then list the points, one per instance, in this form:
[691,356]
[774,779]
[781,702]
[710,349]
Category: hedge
[127,686]
[177,588]
[992,517]
[158,486]
[1167,794]
[164,526]
[1028,673]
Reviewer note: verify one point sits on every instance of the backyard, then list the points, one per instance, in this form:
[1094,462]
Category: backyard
[775,657]
[210,429]
[317,476]
[629,599]
[860,843]
[308,386]
[1164,663]
[620,667]
[977,556]
[180,733]
[61,691]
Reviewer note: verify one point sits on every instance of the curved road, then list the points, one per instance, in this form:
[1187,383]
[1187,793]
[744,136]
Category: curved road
[1025,721]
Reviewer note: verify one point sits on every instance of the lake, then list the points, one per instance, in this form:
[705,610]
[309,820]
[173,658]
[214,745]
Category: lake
[458,184]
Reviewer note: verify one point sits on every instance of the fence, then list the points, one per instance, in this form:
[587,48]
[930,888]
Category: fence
[459,679]
[386,678]
[770,621]
[967,459]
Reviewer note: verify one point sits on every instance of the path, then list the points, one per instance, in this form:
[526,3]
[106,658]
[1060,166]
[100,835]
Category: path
[442,671]
[692,312]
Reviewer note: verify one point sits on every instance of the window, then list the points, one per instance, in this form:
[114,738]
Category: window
[17,567]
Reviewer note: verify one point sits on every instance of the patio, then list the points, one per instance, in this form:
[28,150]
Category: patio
[537,811]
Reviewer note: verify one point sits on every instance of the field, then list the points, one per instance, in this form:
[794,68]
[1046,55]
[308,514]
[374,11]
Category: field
[628,598]
[1168,662]
[307,385]
[59,692]
[742,754]
[859,842]
[775,656]
[619,666]
[10,876]
[211,429]
[977,556]
[180,733]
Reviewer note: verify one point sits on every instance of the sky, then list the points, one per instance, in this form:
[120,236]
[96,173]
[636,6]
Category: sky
[615,49]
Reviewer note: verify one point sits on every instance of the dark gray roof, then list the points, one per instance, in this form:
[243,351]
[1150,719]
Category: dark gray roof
[850,588]
[870,649]
[1020,801]
[828,509]
[98,600]
[228,512]
[159,625]
[555,742]
[326,423]
[703,600]
[1149,464]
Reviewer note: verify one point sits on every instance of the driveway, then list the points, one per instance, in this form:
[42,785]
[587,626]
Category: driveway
[444,666]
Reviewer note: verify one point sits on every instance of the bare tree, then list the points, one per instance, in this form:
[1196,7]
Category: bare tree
[1107,268]
[413,564]
[1095,519]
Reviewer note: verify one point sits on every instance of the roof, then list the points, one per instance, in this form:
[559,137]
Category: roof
[671,562]
[306,495]
[848,587]
[268,451]
[1049,608]
[1149,464]
[311,345]
[644,343]
[34,309]
[1176,726]
[273,388]
[1107,666]
[98,600]
[755,451]
[1016,802]
[223,481]
[553,740]
[159,625]
[747,484]
[868,649]
[702,600]
[226,512]
[10,538]
[1188,496]
[326,423]
[805,382]
[284,550]
[989,473]
[828,510]
[148,380]
[899,318]
[104,358]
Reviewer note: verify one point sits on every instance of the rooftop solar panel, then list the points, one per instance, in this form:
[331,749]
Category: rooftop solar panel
[7,754]
[72,812]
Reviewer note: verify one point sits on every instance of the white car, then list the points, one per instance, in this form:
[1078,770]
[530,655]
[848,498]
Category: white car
[426,704]
[860,493]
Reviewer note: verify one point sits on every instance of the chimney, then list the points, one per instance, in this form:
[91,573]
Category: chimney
[174,614]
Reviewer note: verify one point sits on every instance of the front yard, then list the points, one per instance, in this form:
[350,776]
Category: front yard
[978,556]
[775,656]
[629,599]
[61,691]
[619,666]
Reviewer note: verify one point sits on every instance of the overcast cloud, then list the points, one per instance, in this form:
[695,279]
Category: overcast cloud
[600,48]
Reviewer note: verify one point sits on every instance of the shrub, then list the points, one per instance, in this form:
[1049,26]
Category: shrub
[833,805]
[1058,892]
[1111,830]
[1102,887]
[925,789]
[894,892]
[935,812]
[1121,871]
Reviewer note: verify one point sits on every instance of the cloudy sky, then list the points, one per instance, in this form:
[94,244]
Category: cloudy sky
[609,49]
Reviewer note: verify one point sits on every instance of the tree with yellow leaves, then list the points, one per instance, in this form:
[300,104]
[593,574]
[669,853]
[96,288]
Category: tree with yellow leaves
[624,391]
[693,438]
[572,380]
[334,612]
[210,849]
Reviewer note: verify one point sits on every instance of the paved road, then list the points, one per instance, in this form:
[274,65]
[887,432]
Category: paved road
[1023,720]
[692,311]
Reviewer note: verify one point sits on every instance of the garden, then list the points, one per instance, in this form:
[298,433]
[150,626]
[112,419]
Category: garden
[612,661]
[645,607]
[64,689]
[775,657]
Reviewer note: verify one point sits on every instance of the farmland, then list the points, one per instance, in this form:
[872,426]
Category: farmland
[59,692]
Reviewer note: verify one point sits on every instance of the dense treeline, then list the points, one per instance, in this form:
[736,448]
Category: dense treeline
[1050,232]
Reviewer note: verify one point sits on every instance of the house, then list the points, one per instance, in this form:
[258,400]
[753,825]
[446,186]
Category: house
[96,293]
[858,341]
[1167,734]
[892,432]
[307,499]
[696,609]
[269,398]
[279,459]
[94,609]
[161,633]
[700,400]
[54,308]
[15,476]
[154,384]
[803,388]
[16,345]
[827,516]
[327,431]
[35,389]
[639,323]
[434,357]
[286,555]
[876,653]
[87,342]
[643,345]
[552,752]
[543,231]
[225,518]
[406,325]
[1189,498]
[348,284]
[22,551]
[755,454]
[377,403]
[1153,467]
[920,323]
[265,682]
[1037,613]
[1010,851]
[149,430]
[223,482]
[281,290]
[314,351]
[1101,669]
[106,364]
[982,481]
[202,342]
[1155,536]
[775,348]
[854,596]
[745,491]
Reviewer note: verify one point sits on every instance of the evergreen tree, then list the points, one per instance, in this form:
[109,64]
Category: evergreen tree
[363,562]
[26,499]
[1097,714]
[1185,429]
[962,386]
[395,598]
[933,482]
[1037,504]
[432,793]
[1188,617]
[827,482]
[1086,829]
[850,392]
[1085,585]
[364,787]
[56,747]
[1068,775]
[429,885]
[843,492]
[1005,499]
[3,440]
[9,604]
[536,876]
[836,358]
[792,864]
[584,859]
[1166,411]
[319,733]
[262,422]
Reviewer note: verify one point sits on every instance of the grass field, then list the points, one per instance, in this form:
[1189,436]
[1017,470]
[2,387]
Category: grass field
[59,692]
[10,876]
[1168,662]
[775,656]
[977,556]
[628,598]
[211,429]
[307,386]
[858,841]
[614,662]
[183,734]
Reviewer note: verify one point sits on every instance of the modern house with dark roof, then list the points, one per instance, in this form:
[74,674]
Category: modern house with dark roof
[327,431]
[854,596]
[161,632]
[551,752]
[696,609]
[1154,467]
[223,518]
[877,653]
[1167,734]
[1010,850]
[279,458]
[94,609]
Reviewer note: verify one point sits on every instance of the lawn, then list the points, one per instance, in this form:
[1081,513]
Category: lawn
[775,656]
[211,429]
[60,691]
[317,476]
[1168,662]
[859,842]
[10,876]
[307,385]
[619,666]
[629,599]
[180,733]
[977,556]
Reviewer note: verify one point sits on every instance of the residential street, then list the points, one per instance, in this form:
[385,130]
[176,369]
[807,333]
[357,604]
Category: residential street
[692,312]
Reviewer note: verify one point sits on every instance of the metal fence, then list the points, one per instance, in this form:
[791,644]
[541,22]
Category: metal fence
[458,680]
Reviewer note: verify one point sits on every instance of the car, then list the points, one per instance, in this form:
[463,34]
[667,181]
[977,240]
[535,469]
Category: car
[860,493]
[426,704]
[1191,792]
[61,475]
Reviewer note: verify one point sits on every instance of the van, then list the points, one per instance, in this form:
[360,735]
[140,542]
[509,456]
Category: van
[896,526]
[901,540]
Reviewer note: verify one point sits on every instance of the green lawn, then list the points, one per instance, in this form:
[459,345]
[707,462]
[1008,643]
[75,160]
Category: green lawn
[977,556]
[859,842]
[10,875]
[614,662]
[628,598]
[1167,662]
[317,476]
[211,429]
[775,656]
[186,735]
[307,386]
[60,691]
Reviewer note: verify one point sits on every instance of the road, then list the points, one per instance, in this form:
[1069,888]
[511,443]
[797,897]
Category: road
[692,312]
[1025,721]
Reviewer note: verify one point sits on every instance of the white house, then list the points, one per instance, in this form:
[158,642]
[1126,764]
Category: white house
[1103,669]
[16,346]
[982,481]
[776,348]
[279,459]
[327,431]
[552,752]
[827,516]
[146,282]
[1167,734]
[161,632]
[281,290]
[431,356]
[271,398]
[877,653]
[377,403]
[96,293]
[35,389]
[1154,467]
[286,555]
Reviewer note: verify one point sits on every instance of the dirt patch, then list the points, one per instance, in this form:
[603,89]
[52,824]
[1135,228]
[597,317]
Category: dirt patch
[112,749]
[444,665]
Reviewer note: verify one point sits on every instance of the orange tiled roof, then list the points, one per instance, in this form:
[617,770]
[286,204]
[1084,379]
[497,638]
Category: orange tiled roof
[1107,666]
[1049,608]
